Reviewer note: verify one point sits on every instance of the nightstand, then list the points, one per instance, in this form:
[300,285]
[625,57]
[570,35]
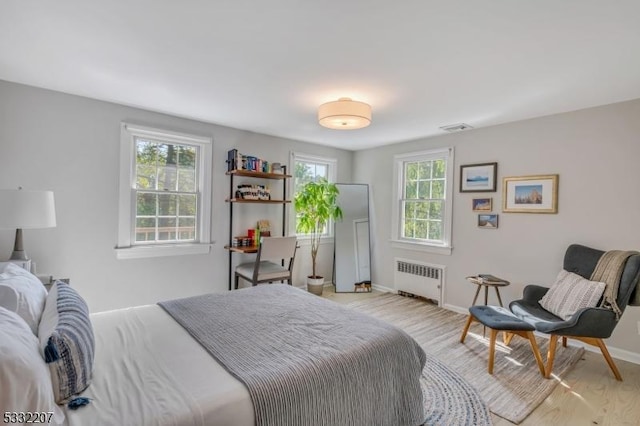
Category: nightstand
[48,280]
[24,264]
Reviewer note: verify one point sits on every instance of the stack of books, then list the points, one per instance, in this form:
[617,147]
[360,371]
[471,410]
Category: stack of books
[238,161]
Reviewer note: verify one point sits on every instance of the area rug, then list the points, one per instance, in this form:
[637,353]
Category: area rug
[448,399]
[516,387]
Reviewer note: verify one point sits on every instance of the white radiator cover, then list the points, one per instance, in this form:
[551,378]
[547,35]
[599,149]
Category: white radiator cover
[418,278]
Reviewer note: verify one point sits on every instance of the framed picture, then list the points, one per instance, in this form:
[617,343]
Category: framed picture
[481,204]
[488,221]
[478,177]
[530,194]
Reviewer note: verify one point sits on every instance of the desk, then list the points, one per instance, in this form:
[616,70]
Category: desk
[486,284]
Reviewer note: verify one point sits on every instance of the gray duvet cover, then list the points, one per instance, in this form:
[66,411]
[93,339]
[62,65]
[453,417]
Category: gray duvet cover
[306,360]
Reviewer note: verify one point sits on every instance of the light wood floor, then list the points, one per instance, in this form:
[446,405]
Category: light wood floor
[589,395]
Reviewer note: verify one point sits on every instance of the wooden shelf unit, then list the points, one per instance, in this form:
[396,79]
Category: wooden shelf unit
[242,200]
[232,200]
[251,249]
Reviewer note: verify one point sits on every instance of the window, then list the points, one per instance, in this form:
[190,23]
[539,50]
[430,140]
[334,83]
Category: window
[165,204]
[422,216]
[308,168]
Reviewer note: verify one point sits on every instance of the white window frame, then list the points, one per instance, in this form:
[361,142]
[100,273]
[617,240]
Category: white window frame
[332,170]
[126,249]
[409,243]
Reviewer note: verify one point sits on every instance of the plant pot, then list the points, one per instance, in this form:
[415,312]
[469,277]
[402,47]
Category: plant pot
[315,285]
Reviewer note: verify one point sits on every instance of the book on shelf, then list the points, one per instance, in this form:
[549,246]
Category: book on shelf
[488,279]
[232,162]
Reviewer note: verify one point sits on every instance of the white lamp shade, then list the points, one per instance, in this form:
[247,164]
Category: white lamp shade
[344,114]
[24,209]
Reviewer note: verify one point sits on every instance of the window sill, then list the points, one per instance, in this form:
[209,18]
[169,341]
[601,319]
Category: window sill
[428,248]
[306,241]
[139,252]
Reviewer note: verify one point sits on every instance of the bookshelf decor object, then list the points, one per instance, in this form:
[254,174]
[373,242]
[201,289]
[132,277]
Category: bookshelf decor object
[248,166]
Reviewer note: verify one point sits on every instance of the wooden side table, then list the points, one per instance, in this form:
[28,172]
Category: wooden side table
[486,284]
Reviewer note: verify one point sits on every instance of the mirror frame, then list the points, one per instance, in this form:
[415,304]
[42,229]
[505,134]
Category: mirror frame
[335,243]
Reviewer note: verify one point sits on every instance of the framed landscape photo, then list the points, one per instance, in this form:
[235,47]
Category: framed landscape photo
[530,194]
[481,204]
[478,177]
[488,221]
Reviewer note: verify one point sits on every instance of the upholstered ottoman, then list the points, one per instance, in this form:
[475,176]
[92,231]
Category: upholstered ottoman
[497,318]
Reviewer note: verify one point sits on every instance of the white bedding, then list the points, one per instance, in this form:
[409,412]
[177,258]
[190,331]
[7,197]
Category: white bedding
[150,371]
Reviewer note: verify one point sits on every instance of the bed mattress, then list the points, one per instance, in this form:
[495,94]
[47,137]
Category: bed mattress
[149,371]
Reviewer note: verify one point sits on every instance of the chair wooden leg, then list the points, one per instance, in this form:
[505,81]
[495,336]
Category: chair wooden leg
[466,328]
[508,338]
[492,349]
[607,357]
[553,340]
[564,341]
[536,351]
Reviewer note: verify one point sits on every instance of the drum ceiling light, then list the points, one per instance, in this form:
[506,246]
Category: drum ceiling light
[344,114]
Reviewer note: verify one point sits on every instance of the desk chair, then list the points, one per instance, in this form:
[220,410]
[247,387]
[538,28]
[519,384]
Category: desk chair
[264,270]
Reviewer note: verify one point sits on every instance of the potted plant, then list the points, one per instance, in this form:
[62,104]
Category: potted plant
[315,205]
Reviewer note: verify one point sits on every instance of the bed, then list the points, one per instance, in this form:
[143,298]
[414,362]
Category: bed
[342,367]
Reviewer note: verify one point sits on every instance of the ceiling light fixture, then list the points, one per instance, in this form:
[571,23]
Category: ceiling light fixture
[344,114]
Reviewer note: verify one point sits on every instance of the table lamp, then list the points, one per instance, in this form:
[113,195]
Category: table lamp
[24,209]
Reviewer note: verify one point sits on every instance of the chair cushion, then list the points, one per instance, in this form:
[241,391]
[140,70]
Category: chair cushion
[498,318]
[268,271]
[570,293]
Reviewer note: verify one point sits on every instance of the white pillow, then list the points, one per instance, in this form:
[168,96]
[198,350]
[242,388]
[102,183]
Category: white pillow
[25,382]
[8,298]
[570,293]
[31,294]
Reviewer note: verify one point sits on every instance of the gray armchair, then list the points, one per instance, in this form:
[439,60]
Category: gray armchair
[589,325]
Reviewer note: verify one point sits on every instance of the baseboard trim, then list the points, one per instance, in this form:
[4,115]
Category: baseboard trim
[616,353]
[383,289]
[455,308]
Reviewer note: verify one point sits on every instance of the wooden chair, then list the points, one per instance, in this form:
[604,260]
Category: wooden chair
[589,325]
[282,249]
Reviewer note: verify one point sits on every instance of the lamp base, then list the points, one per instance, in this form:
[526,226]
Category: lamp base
[19,255]
[18,249]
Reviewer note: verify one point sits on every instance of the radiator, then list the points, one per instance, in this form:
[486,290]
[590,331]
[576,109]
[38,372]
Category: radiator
[419,279]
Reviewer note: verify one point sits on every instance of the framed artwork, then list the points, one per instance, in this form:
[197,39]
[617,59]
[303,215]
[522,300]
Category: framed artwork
[488,221]
[481,204]
[478,177]
[530,194]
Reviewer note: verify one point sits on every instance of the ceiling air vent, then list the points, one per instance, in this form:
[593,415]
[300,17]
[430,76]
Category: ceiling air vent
[456,127]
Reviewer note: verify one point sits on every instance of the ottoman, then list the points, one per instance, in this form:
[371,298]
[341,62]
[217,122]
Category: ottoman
[497,318]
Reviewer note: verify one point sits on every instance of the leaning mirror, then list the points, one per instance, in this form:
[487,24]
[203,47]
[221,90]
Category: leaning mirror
[352,268]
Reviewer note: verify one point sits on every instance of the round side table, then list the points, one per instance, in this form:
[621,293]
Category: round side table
[486,284]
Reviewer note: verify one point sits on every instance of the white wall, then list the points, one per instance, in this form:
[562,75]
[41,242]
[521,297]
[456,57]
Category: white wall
[595,151]
[70,145]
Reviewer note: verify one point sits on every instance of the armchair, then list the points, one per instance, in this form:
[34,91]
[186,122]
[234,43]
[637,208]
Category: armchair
[589,325]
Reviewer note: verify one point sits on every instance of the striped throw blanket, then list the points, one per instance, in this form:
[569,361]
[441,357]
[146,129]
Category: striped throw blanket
[306,360]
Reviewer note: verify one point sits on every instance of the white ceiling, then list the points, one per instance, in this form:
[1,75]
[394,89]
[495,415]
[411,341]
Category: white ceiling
[265,66]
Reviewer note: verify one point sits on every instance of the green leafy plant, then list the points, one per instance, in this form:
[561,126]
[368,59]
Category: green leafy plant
[315,205]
